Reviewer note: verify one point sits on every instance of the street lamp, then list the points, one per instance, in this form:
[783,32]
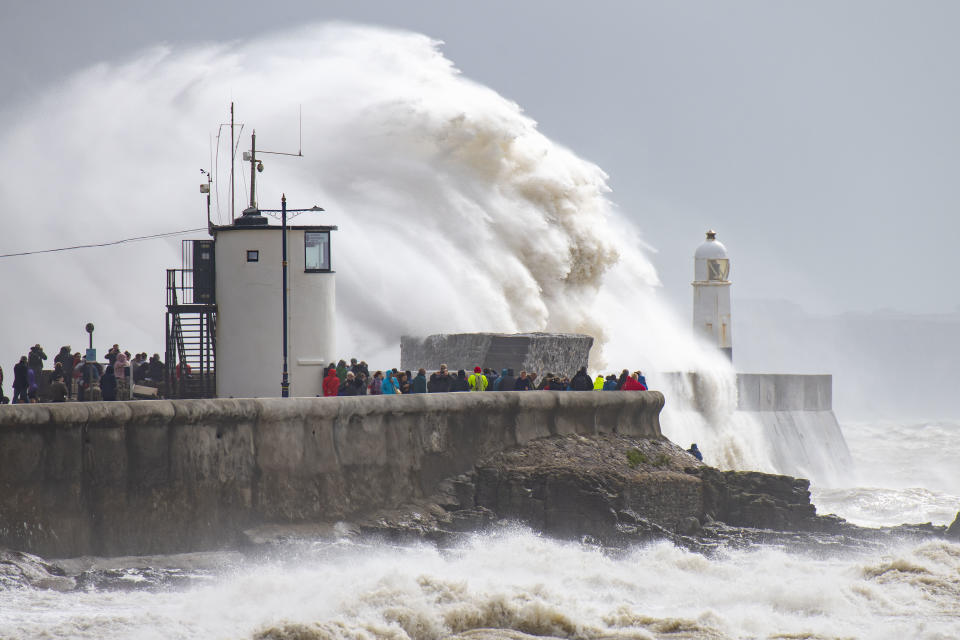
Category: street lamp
[283,211]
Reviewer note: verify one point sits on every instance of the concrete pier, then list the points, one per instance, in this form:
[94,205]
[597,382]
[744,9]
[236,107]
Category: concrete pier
[118,478]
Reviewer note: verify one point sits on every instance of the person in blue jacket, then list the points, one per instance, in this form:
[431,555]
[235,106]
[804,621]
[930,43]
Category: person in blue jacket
[695,452]
[391,386]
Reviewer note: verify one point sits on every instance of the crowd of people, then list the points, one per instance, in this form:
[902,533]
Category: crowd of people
[73,376]
[354,379]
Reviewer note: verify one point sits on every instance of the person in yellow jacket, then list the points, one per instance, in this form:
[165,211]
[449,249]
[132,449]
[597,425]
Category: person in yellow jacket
[478,381]
[598,383]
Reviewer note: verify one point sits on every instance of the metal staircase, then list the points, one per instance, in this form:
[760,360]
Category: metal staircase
[191,328]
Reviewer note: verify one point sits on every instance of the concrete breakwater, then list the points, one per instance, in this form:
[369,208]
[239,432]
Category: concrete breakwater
[165,476]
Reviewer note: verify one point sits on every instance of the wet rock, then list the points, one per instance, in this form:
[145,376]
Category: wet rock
[953,531]
[18,569]
[618,491]
[688,526]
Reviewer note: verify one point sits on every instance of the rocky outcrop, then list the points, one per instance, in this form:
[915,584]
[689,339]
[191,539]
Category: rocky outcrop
[618,490]
[953,531]
[19,569]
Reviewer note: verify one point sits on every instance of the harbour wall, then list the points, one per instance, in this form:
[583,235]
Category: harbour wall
[800,435]
[797,412]
[162,476]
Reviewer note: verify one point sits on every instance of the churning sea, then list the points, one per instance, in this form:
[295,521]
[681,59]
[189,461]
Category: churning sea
[516,580]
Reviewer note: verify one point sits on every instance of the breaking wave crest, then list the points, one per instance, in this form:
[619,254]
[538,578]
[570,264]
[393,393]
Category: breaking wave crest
[455,212]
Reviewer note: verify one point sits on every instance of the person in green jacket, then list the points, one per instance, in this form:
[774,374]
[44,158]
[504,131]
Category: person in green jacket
[478,381]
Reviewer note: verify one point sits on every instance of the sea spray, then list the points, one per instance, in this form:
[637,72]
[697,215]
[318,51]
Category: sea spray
[455,212]
[702,408]
[516,580]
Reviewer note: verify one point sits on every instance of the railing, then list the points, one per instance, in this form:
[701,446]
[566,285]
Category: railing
[179,286]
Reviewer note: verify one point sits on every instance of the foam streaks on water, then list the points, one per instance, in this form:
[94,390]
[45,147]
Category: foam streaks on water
[521,582]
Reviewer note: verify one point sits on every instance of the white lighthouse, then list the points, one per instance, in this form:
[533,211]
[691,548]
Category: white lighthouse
[711,294]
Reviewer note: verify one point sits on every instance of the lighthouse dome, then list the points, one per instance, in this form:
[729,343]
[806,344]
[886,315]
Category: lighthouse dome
[710,261]
[711,249]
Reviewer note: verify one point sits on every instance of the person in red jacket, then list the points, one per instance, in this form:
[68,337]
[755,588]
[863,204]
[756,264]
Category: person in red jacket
[331,384]
[633,383]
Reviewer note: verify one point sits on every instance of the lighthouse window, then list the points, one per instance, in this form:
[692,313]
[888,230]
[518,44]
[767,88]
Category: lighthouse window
[253,255]
[316,246]
[718,269]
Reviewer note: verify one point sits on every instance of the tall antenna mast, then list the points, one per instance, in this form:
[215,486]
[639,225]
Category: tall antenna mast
[256,165]
[233,154]
[253,169]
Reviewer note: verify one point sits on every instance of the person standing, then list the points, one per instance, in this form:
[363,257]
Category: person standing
[581,381]
[331,383]
[20,381]
[76,375]
[523,383]
[33,387]
[58,391]
[478,381]
[440,381]
[507,382]
[390,385]
[37,356]
[633,384]
[460,383]
[349,386]
[419,384]
[376,384]
[65,359]
[120,372]
[108,385]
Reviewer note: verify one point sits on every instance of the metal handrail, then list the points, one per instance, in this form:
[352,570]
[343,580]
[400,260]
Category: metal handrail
[179,286]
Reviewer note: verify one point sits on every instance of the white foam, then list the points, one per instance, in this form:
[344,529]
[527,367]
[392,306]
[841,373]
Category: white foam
[523,582]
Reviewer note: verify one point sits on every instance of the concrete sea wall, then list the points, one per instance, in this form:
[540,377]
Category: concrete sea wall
[799,436]
[559,353]
[163,476]
[798,410]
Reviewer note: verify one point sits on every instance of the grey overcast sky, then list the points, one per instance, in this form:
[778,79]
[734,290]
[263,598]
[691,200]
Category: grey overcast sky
[821,139]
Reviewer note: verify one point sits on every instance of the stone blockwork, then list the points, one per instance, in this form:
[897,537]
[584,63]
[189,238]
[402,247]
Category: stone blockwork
[561,353]
[112,478]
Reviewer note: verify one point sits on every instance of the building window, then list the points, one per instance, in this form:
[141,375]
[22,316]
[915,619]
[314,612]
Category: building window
[316,247]
[718,269]
[253,255]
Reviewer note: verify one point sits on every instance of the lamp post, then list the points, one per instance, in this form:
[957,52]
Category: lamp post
[285,378]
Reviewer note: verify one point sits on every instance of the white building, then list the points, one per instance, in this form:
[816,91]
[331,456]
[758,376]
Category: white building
[711,294]
[249,308]
[225,312]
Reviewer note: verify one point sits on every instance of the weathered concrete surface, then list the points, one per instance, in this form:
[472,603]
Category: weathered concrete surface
[112,478]
[784,392]
[561,353]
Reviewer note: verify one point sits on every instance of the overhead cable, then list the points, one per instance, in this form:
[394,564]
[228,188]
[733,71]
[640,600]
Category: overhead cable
[155,236]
